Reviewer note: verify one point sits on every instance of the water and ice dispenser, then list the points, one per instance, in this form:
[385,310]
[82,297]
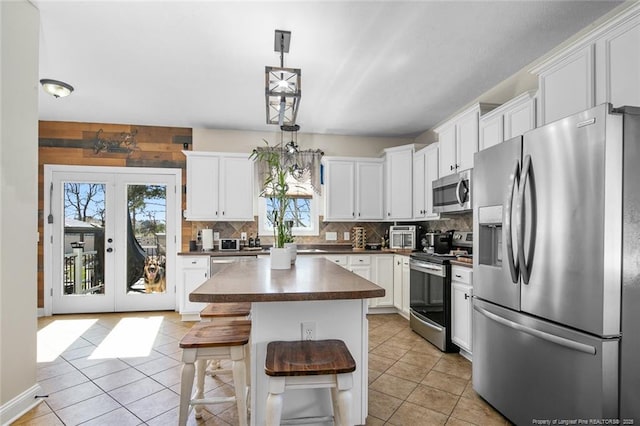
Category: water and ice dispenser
[490,236]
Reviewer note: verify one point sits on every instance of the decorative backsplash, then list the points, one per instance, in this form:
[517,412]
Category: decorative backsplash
[374,230]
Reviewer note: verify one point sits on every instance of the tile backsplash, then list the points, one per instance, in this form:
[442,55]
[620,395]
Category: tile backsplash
[374,230]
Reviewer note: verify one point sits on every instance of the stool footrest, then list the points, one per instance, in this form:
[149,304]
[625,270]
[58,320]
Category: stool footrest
[307,420]
[212,400]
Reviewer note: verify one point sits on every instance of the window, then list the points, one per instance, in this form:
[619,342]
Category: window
[301,209]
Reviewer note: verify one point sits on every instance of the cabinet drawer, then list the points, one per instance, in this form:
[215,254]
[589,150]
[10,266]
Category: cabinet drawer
[340,260]
[360,260]
[195,262]
[462,274]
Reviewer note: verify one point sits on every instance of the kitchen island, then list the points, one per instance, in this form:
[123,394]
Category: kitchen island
[327,298]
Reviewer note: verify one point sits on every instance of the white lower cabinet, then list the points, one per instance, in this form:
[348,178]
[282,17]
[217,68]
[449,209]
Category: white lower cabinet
[194,270]
[383,276]
[461,308]
[401,284]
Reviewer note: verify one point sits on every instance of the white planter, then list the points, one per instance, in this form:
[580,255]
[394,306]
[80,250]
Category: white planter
[293,248]
[280,258]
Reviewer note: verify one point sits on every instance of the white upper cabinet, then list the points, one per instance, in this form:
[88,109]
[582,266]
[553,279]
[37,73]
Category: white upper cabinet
[567,86]
[353,188]
[601,66]
[339,189]
[399,182]
[219,186]
[491,129]
[511,119]
[458,139]
[467,138]
[425,171]
[447,139]
[369,190]
[618,62]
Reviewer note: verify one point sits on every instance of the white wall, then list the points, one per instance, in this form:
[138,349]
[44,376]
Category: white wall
[19,30]
[332,145]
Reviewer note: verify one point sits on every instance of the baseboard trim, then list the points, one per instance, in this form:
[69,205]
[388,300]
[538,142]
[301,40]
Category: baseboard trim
[19,405]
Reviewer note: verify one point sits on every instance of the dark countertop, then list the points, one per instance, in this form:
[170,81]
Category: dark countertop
[308,279]
[458,263]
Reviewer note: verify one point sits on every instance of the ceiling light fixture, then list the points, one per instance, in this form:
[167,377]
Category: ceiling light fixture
[56,88]
[282,86]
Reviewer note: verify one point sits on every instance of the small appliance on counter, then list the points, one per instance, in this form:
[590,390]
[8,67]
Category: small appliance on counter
[437,242]
[229,244]
[402,237]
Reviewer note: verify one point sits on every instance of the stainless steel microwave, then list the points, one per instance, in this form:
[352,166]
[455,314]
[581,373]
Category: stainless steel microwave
[453,193]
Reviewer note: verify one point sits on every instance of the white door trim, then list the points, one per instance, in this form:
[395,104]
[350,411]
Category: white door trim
[49,171]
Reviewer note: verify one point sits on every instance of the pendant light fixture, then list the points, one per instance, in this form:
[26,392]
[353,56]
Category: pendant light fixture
[282,86]
[56,88]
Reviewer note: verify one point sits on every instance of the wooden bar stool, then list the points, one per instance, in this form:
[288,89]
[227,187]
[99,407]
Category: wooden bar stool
[205,341]
[224,311]
[309,364]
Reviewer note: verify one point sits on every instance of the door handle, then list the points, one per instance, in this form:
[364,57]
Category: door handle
[458,192]
[567,343]
[524,270]
[514,182]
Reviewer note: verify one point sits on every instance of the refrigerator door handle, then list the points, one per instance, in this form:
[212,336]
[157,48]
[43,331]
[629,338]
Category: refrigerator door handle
[514,181]
[570,344]
[524,270]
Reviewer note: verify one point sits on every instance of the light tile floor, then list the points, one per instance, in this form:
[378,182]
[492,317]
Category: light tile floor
[95,373]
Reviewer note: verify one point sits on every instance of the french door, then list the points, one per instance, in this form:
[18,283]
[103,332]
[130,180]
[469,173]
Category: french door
[112,235]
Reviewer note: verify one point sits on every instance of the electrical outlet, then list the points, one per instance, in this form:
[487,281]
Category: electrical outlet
[216,235]
[331,236]
[346,236]
[308,330]
[243,236]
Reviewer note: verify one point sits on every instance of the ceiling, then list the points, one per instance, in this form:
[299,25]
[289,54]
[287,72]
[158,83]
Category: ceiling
[379,68]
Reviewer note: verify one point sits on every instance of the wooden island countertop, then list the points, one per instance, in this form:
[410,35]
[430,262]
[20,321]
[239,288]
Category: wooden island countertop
[308,279]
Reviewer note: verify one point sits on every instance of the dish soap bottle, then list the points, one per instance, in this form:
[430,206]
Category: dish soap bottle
[251,241]
[256,242]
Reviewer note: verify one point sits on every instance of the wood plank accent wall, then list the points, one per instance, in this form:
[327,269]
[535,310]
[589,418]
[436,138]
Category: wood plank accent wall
[72,143]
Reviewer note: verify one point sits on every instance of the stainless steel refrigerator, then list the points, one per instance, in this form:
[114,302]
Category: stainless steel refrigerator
[556,310]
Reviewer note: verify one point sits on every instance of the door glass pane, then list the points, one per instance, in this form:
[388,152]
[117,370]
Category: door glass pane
[146,238]
[84,221]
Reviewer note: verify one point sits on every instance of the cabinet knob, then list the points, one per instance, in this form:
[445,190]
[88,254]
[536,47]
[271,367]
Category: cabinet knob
[222,212]
[466,296]
[451,167]
[388,213]
[109,250]
[458,276]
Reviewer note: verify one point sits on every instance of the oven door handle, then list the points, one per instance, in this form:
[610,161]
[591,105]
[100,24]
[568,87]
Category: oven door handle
[427,269]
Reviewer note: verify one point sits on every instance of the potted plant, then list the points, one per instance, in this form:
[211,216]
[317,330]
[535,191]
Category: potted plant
[275,187]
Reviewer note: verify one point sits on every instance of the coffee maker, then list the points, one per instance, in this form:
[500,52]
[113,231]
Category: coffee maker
[437,242]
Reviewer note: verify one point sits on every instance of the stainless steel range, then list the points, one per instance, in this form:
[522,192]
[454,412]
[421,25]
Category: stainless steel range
[430,293]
